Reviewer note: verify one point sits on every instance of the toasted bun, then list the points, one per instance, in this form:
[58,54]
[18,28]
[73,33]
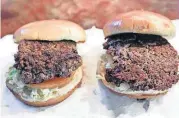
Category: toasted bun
[50,30]
[56,82]
[119,90]
[49,102]
[143,22]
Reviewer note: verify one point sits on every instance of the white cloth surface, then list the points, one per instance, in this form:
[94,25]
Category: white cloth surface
[92,100]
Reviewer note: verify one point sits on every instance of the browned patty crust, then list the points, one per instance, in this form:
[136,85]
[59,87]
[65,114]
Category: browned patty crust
[143,61]
[43,60]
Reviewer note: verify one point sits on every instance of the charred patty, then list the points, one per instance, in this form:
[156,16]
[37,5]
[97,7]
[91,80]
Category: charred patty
[142,61]
[43,60]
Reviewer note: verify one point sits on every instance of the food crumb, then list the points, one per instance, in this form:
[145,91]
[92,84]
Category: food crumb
[40,109]
[6,105]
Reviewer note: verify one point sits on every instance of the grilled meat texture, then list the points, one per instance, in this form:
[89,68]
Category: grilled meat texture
[43,60]
[143,61]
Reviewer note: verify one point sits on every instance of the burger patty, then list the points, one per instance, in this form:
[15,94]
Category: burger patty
[143,61]
[43,60]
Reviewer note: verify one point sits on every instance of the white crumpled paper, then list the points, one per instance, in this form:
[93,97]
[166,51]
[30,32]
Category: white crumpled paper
[92,100]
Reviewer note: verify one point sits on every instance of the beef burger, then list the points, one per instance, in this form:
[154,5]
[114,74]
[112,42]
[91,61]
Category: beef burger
[47,65]
[139,62]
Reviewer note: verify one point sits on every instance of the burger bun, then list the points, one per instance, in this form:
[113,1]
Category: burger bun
[139,21]
[66,91]
[50,30]
[49,102]
[120,90]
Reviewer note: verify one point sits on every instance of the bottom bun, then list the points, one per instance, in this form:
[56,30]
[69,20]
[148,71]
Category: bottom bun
[136,95]
[122,90]
[43,97]
[49,102]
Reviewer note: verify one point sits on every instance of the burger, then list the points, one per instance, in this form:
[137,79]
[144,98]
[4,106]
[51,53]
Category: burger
[47,66]
[139,62]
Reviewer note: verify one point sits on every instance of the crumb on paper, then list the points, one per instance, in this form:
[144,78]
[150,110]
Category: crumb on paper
[40,109]
[6,105]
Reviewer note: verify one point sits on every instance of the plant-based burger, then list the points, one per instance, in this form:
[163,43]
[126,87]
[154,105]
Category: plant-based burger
[139,62]
[47,65]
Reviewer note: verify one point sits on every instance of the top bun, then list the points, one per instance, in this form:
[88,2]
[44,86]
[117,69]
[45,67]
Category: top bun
[50,30]
[143,22]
